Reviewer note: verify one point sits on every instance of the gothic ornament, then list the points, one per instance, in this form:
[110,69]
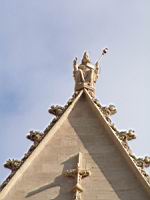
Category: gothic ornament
[13,165]
[127,135]
[85,74]
[35,136]
[56,110]
[108,111]
[141,162]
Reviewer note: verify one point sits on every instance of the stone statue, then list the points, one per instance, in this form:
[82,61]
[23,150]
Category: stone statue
[85,74]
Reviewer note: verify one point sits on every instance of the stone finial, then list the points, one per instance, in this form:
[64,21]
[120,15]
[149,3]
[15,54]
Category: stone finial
[35,136]
[56,110]
[13,165]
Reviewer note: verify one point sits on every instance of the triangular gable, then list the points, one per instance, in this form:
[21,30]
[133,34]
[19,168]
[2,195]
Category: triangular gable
[81,128]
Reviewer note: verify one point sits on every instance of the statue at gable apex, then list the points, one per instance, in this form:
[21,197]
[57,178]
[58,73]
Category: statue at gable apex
[85,74]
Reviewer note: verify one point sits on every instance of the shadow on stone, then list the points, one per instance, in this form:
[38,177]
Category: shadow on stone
[104,152]
[65,184]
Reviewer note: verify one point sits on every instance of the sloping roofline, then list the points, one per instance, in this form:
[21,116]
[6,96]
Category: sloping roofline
[137,171]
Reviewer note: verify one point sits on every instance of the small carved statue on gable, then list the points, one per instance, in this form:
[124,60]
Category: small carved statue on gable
[85,74]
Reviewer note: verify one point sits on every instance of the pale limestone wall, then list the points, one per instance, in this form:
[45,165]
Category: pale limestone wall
[111,178]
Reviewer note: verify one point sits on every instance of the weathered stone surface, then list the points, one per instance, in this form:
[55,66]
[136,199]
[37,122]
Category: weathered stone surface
[41,177]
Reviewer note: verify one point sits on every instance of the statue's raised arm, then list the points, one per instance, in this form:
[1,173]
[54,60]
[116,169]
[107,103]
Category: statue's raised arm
[75,65]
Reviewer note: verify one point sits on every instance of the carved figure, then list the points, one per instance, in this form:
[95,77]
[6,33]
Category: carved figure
[85,74]
[35,136]
[56,110]
[13,165]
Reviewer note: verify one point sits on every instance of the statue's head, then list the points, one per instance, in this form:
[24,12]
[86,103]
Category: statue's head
[86,58]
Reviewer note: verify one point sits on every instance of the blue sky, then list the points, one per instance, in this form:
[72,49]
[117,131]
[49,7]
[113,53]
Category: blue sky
[38,41]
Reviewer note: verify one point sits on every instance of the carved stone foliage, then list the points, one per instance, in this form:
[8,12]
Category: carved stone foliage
[141,162]
[124,137]
[106,111]
[57,117]
[127,135]
[35,136]
[56,110]
[13,165]
[110,110]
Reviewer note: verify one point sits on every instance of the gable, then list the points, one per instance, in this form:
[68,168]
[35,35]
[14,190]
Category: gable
[78,130]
